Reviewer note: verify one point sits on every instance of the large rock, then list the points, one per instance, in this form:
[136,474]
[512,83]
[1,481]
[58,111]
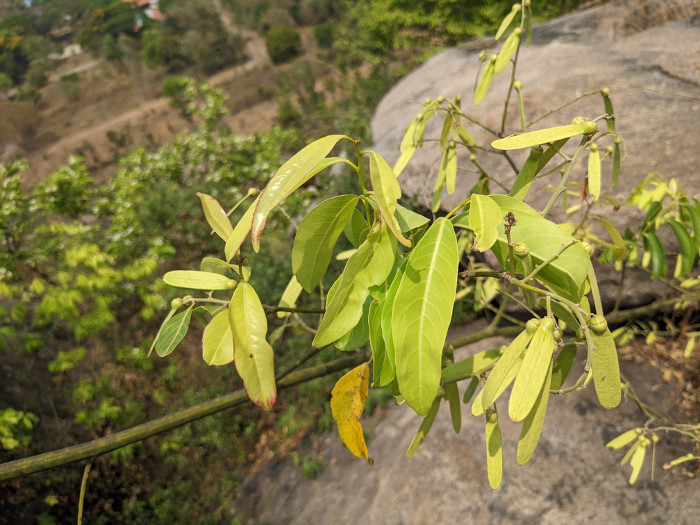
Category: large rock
[653,77]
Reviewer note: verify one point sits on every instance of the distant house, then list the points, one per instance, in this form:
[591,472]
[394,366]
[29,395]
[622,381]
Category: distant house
[147,7]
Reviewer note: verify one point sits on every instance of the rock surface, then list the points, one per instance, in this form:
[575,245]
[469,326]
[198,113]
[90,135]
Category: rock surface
[654,79]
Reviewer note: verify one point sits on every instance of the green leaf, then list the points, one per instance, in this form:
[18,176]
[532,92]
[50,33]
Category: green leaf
[387,313]
[686,247]
[526,175]
[160,330]
[606,370]
[316,237]
[501,376]
[448,166]
[616,163]
[562,366]
[293,173]
[694,218]
[533,371]
[509,48]
[550,152]
[494,449]
[383,366]
[528,26]
[386,194]
[289,297]
[368,266]
[347,404]
[507,21]
[213,265]
[424,428]
[594,176]
[356,229]
[542,136]
[446,130]
[422,313]
[409,220]
[240,232]
[216,216]
[619,246]
[413,138]
[452,393]
[652,244]
[172,332]
[252,354]
[484,219]
[217,341]
[469,367]
[624,439]
[532,424]
[194,280]
[471,388]
[485,81]
[359,335]
[637,461]
[608,109]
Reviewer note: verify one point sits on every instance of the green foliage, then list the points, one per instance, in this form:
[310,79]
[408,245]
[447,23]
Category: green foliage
[282,43]
[325,35]
[15,428]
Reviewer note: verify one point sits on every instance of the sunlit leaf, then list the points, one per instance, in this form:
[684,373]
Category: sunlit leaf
[216,216]
[172,332]
[594,175]
[470,366]
[291,175]
[172,312]
[359,335]
[386,194]
[509,48]
[382,365]
[194,280]
[608,109]
[624,439]
[494,449]
[501,376]
[485,81]
[620,248]
[316,237]
[253,355]
[507,21]
[606,370]
[484,219]
[424,428]
[409,220]
[532,424]
[356,229]
[240,232]
[217,341]
[422,313]
[289,297]
[387,313]
[562,366]
[368,266]
[449,165]
[542,136]
[652,245]
[347,404]
[526,175]
[637,461]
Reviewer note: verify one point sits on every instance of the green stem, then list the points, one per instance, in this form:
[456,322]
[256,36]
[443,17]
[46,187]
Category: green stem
[550,260]
[83,487]
[562,184]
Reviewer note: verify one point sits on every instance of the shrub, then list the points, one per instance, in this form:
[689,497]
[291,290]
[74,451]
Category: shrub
[283,44]
[325,35]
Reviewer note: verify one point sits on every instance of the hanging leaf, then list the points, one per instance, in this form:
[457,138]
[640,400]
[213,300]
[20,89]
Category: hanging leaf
[383,366]
[624,439]
[413,138]
[507,20]
[172,312]
[172,332]
[253,355]
[594,176]
[619,247]
[387,312]
[289,297]
[194,280]
[638,460]
[356,229]
[533,372]
[216,216]
[562,366]
[606,370]
[510,46]
[686,248]
[532,424]
[293,173]
[605,92]
[494,450]
[501,376]
[368,266]
[542,136]
[484,218]
[240,232]
[217,341]
[452,394]
[347,404]
[359,335]
[386,193]
[422,313]
[316,237]
[528,26]
[424,428]
[471,388]
[526,175]
[485,81]
[616,161]
[652,245]
[446,130]
[449,165]
[469,367]
[693,216]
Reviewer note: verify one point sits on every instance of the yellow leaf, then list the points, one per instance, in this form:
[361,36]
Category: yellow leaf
[347,403]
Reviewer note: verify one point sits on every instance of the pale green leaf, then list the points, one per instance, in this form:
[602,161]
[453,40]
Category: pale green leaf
[526,175]
[624,439]
[531,376]
[542,136]
[347,404]
[291,175]
[289,297]
[424,428]
[216,216]
[409,220]
[172,312]
[253,355]
[485,81]
[449,166]
[637,461]
[470,366]
[484,219]
[172,332]
[240,232]
[359,335]
[532,424]
[562,365]
[494,449]
[594,175]
[368,266]
[507,21]
[501,376]
[422,310]
[509,48]
[194,280]
[383,366]
[356,229]
[213,265]
[316,237]
[387,312]
[386,194]
[606,370]
[217,340]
